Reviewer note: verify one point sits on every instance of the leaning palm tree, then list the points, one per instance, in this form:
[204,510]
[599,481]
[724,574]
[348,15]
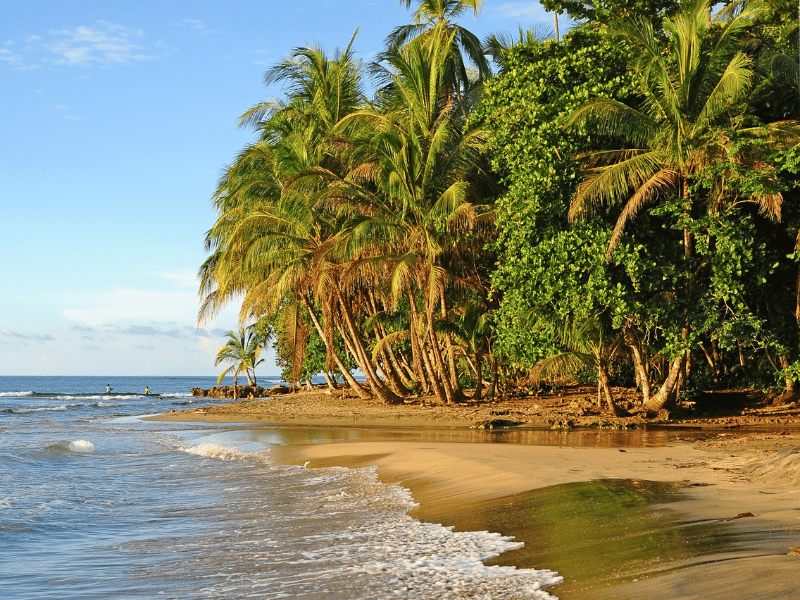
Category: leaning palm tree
[243,350]
[417,180]
[275,243]
[694,81]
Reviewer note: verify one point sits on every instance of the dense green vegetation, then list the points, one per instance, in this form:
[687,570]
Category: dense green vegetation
[617,206]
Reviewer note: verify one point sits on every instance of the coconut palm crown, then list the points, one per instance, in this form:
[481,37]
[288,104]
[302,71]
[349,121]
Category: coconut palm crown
[243,350]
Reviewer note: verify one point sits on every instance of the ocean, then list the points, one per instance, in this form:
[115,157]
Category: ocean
[97,503]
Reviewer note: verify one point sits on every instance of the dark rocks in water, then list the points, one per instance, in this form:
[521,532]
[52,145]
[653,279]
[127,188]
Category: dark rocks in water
[496,424]
[226,391]
[613,425]
[565,424]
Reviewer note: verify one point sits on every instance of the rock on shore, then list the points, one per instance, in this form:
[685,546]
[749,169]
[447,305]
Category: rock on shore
[226,391]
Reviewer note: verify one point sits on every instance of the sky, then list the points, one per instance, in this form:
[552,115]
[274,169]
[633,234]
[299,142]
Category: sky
[116,121]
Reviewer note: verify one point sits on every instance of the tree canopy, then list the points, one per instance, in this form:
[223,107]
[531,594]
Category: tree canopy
[623,198]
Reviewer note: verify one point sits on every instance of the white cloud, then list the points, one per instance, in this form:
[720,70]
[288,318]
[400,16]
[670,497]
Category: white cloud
[102,44]
[186,279]
[126,306]
[106,43]
[533,11]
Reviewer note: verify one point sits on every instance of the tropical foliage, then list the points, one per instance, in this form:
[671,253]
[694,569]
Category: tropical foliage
[623,195]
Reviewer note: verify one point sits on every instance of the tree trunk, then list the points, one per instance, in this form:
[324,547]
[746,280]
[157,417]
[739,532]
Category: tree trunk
[715,354]
[493,385]
[797,297]
[416,346]
[710,361]
[348,377]
[438,361]
[397,376]
[791,384]
[668,393]
[642,372]
[331,386]
[555,23]
[455,384]
[377,387]
[390,375]
[604,383]
[479,377]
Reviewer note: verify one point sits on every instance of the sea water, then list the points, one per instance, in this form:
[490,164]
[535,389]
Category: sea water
[97,503]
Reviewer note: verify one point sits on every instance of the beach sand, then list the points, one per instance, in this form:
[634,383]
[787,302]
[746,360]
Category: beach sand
[672,513]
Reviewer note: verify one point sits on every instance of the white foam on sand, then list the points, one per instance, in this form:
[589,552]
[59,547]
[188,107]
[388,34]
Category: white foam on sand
[223,452]
[407,558]
[377,543]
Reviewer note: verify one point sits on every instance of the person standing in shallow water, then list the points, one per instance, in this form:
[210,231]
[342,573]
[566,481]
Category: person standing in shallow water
[108,388]
[146,390]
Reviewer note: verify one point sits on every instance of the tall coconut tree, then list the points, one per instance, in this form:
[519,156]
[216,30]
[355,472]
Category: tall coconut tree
[464,60]
[275,244]
[415,176]
[694,80]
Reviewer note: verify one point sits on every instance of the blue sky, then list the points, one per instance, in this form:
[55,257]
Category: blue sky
[116,120]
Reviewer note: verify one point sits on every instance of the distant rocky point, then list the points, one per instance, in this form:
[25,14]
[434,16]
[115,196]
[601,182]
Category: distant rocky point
[242,391]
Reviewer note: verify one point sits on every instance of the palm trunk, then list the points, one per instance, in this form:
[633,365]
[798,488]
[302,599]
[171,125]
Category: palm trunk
[555,23]
[377,387]
[331,386]
[398,366]
[438,362]
[390,373]
[360,391]
[479,376]
[668,393]
[642,372]
[416,346]
[455,384]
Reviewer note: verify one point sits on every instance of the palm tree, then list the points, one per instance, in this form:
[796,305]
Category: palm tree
[276,243]
[418,174]
[243,350]
[434,23]
[499,45]
[693,83]
[590,344]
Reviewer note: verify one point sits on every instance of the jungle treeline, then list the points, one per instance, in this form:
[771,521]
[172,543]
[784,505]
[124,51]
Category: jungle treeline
[618,206]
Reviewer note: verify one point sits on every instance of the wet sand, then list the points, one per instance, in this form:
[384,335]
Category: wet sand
[668,514]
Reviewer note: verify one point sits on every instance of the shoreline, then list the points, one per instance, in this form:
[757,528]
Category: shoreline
[697,482]
[486,486]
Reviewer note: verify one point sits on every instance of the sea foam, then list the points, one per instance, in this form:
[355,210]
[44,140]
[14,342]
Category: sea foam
[81,446]
[218,451]
[381,547]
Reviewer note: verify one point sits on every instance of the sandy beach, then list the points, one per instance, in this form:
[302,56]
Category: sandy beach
[707,508]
